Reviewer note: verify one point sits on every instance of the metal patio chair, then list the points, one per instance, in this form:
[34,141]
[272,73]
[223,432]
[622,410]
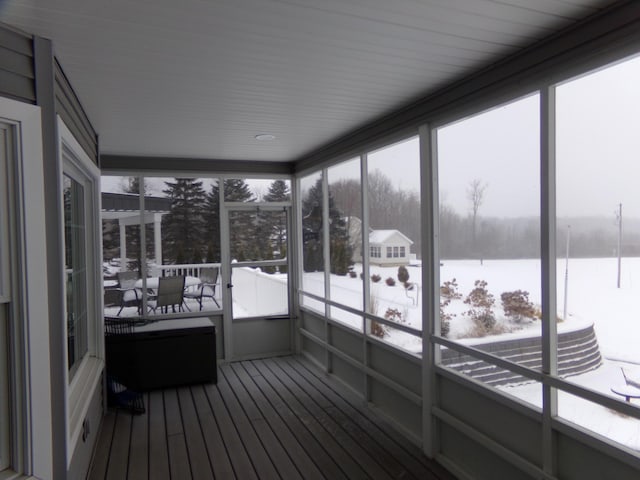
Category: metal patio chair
[170,293]
[206,289]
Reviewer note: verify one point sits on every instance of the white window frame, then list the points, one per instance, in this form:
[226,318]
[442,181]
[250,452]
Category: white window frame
[5,297]
[76,164]
[28,314]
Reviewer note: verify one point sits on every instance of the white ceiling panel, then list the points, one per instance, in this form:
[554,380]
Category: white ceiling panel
[200,78]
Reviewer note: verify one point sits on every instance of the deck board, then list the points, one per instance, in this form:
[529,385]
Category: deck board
[158,448]
[277,418]
[139,447]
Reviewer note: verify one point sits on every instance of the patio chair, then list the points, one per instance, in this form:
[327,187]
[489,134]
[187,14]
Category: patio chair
[170,294]
[209,279]
[130,296]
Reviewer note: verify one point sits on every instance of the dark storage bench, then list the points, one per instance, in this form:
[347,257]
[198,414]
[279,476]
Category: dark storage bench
[162,354]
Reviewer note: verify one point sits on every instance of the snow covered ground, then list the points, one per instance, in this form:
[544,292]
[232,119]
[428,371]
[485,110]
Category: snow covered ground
[592,297]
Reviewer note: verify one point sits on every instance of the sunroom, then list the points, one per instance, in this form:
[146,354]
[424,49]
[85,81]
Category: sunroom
[248,149]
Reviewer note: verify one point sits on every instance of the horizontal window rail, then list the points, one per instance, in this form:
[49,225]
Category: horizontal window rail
[404,391]
[398,326]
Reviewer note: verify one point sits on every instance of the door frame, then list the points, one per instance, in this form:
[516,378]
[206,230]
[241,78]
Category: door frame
[226,270]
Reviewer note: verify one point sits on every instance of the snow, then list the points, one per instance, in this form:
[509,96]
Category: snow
[592,298]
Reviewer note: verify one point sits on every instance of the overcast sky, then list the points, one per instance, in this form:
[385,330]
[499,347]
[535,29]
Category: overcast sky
[598,152]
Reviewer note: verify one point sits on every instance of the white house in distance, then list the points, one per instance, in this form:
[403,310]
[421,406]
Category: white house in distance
[389,248]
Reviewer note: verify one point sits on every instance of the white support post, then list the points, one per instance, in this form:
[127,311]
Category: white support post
[157,238]
[366,285]
[123,245]
[429,206]
[548,281]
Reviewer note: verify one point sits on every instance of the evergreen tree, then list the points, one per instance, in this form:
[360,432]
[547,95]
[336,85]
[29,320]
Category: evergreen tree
[184,226]
[242,227]
[340,249]
[110,239]
[278,192]
[132,233]
[212,223]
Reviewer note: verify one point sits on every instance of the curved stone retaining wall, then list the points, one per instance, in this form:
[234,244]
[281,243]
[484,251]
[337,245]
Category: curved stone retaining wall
[578,353]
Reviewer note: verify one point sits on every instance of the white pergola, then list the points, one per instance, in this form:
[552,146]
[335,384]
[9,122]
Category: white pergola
[126,211]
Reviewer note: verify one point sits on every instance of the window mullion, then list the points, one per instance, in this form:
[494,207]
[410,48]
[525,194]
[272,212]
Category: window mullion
[548,274]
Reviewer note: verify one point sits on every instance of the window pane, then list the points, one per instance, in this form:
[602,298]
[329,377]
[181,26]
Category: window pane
[345,236]
[75,272]
[394,221]
[182,218]
[257,235]
[312,244]
[258,292]
[489,176]
[121,247]
[598,212]
[182,238]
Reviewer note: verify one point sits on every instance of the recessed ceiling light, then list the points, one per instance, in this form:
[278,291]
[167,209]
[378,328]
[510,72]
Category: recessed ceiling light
[265,136]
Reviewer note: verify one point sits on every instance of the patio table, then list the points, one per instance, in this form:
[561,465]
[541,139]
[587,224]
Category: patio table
[626,391]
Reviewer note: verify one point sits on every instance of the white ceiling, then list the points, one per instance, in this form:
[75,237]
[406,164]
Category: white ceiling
[200,78]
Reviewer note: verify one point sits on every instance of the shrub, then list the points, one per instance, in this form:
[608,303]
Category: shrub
[403,274]
[394,315]
[375,278]
[517,306]
[390,281]
[445,326]
[378,330]
[353,274]
[449,290]
[481,302]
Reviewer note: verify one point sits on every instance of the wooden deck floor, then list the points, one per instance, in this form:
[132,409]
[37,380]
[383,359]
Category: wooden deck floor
[278,418]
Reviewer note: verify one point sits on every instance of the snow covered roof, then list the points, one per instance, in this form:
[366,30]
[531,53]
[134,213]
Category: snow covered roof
[383,236]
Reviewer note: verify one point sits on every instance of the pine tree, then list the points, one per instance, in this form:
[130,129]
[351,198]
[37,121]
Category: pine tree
[184,226]
[212,222]
[242,228]
[278,192]
[340,249]
[132,233]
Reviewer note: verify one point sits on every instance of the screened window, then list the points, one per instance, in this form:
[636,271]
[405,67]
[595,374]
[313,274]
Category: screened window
[389,252]
[312,281]
[180,237]
[489,189]
[75,265]
[402,252]
[598,247]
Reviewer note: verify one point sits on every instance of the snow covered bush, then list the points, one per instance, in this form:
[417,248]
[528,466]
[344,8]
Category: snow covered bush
[448,292]
[403,274]
[481,302]
[390,281]
[375,278]
[517,306]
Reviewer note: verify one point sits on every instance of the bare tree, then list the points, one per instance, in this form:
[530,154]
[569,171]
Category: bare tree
[475,194]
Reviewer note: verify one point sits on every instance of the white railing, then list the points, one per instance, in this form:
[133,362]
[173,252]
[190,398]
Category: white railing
[186,269]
